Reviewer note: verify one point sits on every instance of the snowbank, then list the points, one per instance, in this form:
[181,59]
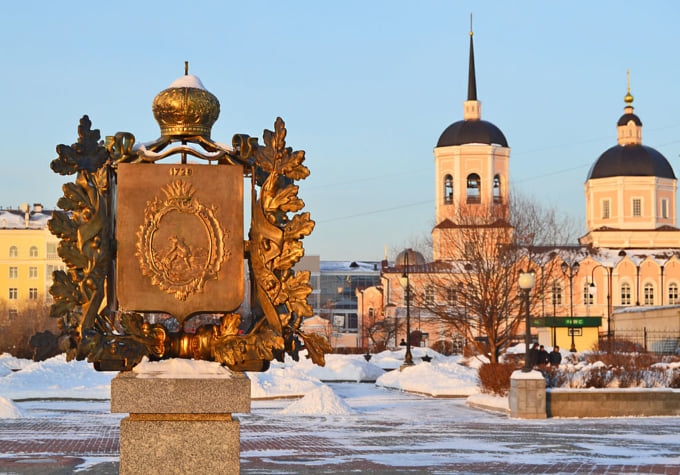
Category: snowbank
[343,368]
[281,380]
[444,378]
[57,378]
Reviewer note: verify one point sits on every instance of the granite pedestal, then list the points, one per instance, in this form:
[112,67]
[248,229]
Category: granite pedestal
[527,395]
[179,425]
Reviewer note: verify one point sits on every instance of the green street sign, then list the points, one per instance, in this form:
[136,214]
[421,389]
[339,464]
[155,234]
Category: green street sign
[567,322]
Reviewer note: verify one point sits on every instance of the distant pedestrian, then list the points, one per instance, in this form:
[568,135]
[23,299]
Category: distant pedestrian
[533,356]
[555,356]
[543,357]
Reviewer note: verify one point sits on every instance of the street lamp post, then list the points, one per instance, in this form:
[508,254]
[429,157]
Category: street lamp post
[406,284]
[554,316]
[527,280]
[570,271]
[593,290]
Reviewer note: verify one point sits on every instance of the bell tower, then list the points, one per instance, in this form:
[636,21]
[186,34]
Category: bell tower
[472,178]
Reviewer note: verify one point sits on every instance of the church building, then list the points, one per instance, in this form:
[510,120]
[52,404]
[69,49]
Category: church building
[625,265]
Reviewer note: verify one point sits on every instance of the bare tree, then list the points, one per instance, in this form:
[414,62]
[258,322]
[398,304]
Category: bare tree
[476,290]
[19,322]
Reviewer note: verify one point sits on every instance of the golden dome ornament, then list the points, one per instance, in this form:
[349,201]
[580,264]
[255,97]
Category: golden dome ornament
[186,108]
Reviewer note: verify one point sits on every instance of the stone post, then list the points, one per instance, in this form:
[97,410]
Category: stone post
[180,424]
[527,395]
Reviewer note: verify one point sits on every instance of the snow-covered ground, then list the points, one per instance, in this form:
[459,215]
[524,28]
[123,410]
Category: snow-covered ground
[390,423]
[57,378]
[443,376]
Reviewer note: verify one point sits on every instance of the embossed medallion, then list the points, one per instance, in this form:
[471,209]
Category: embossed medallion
[180,264]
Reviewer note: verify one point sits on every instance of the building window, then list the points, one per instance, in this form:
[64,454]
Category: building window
[673,294]
[448,189]
[637,207]
[649,294]
[13,251]
[497,189]
[33,293]
[474,189]
[625,294]
[13,272]
[12,313]
[556,293]
[32,272]
[371,312]
[664,208]
[52,250]
[429,295]
[451,297]
[13,293]
[33,251]
[587,296]
[605,209]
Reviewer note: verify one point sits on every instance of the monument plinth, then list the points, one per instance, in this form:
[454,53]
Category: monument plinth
[180,423]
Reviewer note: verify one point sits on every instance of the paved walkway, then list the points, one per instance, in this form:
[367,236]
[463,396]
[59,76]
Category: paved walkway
[389,432]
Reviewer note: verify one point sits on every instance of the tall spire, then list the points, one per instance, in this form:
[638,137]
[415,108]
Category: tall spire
[472,108]
[472,82]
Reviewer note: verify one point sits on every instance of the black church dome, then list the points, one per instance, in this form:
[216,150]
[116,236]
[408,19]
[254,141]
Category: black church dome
[631,160]
[472,131]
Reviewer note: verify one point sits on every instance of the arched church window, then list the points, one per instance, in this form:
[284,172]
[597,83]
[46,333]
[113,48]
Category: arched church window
[673,294]
[625,294]
[497,189]
[474,188]
[448,189]
[649,294]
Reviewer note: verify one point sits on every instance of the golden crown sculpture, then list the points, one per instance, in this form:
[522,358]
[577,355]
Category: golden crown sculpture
[186,108]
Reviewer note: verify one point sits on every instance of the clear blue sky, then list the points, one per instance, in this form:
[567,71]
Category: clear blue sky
[365,87]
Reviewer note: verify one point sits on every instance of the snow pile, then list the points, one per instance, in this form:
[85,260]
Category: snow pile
[343,368]
[9,363]
[320,401]
[57,378]
[394,359]
[281,380]
[181,368]
[446,378]
[8,410]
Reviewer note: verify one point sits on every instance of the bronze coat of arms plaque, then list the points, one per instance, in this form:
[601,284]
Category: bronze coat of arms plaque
[179,234]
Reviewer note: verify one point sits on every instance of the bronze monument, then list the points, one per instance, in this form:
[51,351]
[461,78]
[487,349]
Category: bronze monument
[155,252]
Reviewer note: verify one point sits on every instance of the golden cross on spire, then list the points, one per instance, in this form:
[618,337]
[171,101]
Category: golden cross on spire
[629,97]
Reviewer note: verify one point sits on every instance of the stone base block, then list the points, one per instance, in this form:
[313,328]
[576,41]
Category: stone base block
[179,446]
[527,395]
[179,425]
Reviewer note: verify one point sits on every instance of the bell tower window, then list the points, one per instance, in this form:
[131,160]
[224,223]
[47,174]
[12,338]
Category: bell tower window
[605,209]
[448,190]
[474,189]
[497,189]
